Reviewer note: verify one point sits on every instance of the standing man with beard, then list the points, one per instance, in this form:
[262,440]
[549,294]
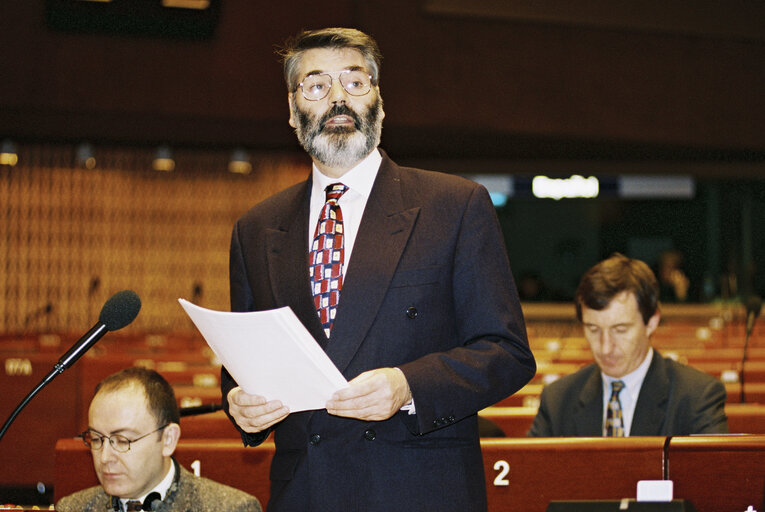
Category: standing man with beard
[402,277]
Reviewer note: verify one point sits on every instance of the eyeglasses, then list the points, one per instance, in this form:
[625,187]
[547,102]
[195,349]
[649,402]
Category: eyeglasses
[355,82]
[120,443]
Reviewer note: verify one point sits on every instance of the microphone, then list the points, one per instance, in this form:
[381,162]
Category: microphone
[152,502]
[117,312]
[199,409]
[753,307]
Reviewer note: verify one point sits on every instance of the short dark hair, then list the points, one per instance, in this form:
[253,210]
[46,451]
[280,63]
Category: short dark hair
[333,38]
[160,396]
[614,275]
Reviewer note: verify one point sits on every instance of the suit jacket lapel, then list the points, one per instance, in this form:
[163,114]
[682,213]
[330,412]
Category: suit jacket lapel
[651,407]
[287,253]
[383,234]
[588,420]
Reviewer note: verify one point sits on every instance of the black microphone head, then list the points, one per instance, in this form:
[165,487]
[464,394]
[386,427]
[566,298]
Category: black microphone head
[152,501]
[120,310]
[753,305]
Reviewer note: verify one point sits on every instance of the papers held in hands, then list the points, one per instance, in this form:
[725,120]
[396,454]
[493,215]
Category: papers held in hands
[270,353]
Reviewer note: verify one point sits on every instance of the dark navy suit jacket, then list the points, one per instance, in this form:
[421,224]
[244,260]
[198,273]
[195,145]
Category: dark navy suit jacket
[674,400]
[429,290]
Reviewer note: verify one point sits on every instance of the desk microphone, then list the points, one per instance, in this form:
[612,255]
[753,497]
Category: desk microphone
[117,312]
[753,307]
[152,501]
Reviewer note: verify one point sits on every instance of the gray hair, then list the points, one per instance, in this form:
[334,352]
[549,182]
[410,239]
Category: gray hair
[332,38]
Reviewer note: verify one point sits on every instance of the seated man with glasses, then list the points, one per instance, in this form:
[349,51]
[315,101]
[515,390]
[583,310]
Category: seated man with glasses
[133,429]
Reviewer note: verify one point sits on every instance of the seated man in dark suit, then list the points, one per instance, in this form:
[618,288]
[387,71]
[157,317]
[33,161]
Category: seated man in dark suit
[133,429]
[630,390]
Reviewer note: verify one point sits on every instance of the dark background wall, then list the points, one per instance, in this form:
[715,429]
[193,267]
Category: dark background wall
[486,86]
[461,79]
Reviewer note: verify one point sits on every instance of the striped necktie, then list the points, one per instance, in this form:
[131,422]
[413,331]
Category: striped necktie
[325,267]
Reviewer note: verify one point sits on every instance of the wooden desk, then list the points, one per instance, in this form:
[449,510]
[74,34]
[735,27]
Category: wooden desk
[514,421]
[523,475]
[527,396]
[718,473]
[214,425]
[746,418]
[715,473]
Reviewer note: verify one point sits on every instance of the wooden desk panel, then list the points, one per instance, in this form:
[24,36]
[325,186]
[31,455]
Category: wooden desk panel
[715,473]
[523,475]
[214,425]
[719,473]
[527,396]
[514,421]
[746,418]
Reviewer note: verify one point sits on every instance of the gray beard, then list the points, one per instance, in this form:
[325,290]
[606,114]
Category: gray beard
[340,147]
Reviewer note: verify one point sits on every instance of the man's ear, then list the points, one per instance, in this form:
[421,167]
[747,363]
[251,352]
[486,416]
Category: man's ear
[290,101]
[170,436]
[653,323]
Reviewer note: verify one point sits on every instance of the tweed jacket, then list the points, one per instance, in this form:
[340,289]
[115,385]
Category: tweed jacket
[188,493]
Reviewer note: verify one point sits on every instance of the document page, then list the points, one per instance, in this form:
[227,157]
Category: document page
[270,353]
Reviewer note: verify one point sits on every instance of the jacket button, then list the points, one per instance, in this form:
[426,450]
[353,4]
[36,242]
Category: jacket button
[370,435]
[451,419]
[411,312]
[315,439]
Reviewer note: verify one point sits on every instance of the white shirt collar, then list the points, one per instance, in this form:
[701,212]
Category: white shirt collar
[629,396]
[359,179]
[161,488]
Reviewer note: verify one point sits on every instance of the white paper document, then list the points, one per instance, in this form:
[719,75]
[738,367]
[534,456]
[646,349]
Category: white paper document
[270,353]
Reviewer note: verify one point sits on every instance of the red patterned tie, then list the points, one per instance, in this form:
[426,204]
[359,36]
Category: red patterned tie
[327,255]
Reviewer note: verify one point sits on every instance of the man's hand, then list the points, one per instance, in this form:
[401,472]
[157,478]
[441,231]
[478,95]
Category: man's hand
[253,413]
[375,395]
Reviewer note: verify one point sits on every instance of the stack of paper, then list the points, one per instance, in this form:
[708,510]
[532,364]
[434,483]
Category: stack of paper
[270,353]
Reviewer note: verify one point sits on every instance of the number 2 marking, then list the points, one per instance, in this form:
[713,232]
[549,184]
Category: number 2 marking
[504,468]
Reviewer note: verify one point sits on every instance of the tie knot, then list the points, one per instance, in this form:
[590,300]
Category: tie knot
[616,387]
[334,191]
[133,505]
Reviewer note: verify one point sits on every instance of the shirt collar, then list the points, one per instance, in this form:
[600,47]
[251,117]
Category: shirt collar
[161,488]
[359,179]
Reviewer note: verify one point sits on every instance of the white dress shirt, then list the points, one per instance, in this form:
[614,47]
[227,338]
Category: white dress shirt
[359,181]
[628,396]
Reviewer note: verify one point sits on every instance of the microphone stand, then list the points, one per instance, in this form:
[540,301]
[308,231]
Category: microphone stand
[743,361]
[48,378]
[63,363]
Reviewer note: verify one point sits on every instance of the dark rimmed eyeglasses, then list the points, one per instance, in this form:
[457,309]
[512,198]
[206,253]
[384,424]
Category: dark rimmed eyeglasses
[356,82]
[120,443]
